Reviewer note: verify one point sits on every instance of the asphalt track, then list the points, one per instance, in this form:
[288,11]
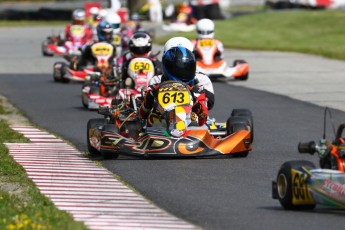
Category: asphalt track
[217,193]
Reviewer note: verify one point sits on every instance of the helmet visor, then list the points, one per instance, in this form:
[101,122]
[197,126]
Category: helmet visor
[205,32]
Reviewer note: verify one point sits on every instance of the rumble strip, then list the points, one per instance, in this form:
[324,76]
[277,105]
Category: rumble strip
[87,191]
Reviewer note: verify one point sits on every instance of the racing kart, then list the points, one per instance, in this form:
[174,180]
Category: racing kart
[56,45]
[215,67]
[65,72]
[300,186]
[140,71]
[181,24]
[122,131]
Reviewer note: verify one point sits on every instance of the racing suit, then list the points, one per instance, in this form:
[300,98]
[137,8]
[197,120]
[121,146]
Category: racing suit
[219,54]
[200,107]
[87,37]
[202,83]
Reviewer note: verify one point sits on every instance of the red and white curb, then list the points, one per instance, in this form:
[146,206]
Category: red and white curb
[84,189]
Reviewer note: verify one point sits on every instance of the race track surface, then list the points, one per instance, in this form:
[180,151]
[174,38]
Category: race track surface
[216,193]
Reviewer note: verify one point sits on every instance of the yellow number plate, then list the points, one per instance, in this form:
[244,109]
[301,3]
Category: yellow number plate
[206,42]
[102,49]
[168,98]
[300,191]
[117,40]
[77,30]
[144,67]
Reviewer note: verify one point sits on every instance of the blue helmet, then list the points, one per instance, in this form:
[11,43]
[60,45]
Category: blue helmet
[105,32]
[179,64]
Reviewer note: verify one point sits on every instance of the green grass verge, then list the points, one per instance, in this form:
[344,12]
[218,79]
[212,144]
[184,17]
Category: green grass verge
[22,206]
[315,32]
[10,23]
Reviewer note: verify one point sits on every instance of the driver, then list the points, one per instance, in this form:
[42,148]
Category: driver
[202,82]
[178,64]
[104,34]
[78,18]
[205,30]
[140,45]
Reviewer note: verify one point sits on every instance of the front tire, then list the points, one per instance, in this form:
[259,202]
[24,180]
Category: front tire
[285,187]
[91,125]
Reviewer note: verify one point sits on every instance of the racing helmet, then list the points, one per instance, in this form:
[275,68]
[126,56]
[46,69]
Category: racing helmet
[114,20]
[179,64]
[205,28]
[178,41]
[104,32]
[94,12]
[78,17]
[140,43]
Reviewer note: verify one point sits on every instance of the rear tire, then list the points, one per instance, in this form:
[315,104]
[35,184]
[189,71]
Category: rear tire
[248,114]
[63,72]
[91,124]
[58,72]
[43,45]
[284,185]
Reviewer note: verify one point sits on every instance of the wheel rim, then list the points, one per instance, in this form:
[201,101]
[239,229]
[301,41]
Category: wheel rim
[282,185]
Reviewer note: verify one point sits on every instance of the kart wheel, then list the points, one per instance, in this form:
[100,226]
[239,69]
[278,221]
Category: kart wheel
[244,77]
[109,154]
[248,114]
[63,72]
[92,124]
[84,98]
[285,186]
[240,119]
[58,71]
[43,45]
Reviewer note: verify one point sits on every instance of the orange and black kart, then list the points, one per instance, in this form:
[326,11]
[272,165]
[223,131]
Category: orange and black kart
[121,131]
[330,152]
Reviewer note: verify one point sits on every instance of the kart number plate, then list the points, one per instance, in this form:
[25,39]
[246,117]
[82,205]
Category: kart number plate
[177,98]
[77,30]
[300,192]
[102,49]
[140,66]
[116,40]
[206,43]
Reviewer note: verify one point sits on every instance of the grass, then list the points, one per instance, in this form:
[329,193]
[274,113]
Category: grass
[22,206]
[315,32]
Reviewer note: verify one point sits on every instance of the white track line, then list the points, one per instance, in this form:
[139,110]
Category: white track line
[83,188]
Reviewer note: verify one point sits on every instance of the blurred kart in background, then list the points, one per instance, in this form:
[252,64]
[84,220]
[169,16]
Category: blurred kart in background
[65,72]
[216,67]
[57,45]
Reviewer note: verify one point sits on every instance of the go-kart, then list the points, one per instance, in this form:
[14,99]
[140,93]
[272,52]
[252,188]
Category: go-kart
[300,186]
[65,72]
[56,45]
[122,131]
[181,24]
[140,71]
[215,67]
